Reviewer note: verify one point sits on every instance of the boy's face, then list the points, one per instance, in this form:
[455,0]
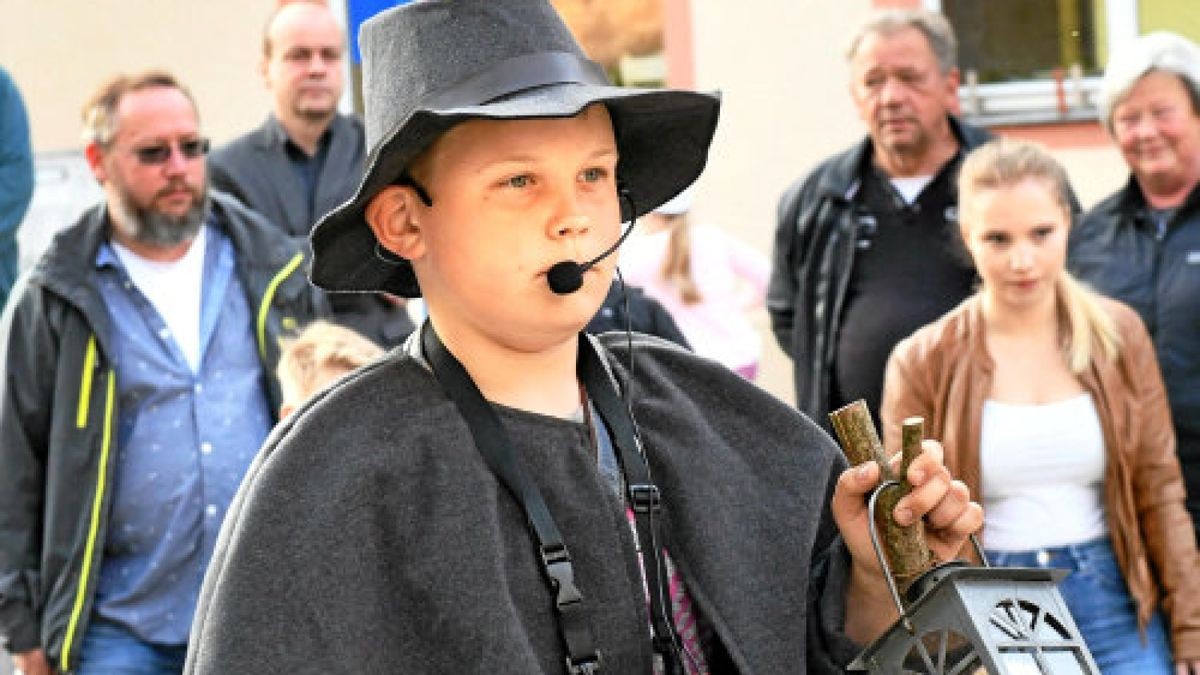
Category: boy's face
[512,198]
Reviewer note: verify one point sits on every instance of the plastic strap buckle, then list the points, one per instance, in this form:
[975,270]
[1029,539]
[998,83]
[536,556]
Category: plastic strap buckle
[645,498]
[562,576]
[585,666]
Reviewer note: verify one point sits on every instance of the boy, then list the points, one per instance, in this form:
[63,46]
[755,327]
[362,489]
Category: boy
[499,152]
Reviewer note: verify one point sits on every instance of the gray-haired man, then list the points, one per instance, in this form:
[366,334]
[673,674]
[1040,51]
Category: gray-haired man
[866,244]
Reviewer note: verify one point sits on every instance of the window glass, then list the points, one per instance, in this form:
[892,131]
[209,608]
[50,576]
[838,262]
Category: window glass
[1017,40]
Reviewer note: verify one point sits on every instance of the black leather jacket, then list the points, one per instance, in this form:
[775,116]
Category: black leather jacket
[58,407]
[1118,250]
[811,262]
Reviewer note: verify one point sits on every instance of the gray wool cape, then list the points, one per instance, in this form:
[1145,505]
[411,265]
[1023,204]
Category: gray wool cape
[370,536]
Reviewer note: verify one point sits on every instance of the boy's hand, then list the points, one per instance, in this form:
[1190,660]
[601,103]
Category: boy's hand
[949,515]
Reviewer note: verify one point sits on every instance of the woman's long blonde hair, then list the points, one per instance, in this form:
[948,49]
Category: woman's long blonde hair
[1088,330]
[676,267]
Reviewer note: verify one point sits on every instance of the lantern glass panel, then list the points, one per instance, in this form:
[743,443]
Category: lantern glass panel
[1065,662]
[1024,620]
[1020,663]
[942,652]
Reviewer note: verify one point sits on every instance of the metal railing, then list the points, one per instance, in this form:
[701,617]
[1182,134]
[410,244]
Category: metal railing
[1067,96]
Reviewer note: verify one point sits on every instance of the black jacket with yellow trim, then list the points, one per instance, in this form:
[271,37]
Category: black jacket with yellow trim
[58,407]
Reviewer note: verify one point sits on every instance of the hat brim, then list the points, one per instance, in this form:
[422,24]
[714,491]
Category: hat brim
[662,136]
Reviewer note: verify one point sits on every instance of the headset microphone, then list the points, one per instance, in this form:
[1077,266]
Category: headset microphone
[566,277]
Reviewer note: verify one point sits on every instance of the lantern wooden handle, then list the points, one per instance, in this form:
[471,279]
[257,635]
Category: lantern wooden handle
[856,431]
[907,553]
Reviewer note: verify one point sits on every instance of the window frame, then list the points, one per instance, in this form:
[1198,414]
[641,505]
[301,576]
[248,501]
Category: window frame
[1035,101]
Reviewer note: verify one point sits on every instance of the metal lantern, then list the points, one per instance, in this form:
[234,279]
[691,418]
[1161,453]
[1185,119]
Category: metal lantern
[956,617]
[1004,620]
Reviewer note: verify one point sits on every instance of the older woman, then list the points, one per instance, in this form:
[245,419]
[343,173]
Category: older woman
[1142,244]
[1051,408]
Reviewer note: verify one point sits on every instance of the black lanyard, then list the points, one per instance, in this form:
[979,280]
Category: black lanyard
[643,497]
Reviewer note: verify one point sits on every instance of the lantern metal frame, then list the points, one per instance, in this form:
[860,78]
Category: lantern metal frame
[1031,631]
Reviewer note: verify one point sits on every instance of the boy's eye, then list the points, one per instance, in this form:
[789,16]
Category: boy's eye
[594,174]
[518,181]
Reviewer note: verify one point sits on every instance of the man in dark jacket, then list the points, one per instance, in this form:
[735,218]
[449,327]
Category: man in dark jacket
[306,158]
[866,246]
[1141,245]
[137,386]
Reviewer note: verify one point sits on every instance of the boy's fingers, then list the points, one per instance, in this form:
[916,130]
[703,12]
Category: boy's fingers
[925,497]
[951,507]
[853,486]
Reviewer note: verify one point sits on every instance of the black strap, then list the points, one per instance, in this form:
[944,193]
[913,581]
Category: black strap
[517,74]
[498,452]
[642,495]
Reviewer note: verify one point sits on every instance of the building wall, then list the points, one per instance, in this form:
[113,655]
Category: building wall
[785,107]
[58,51]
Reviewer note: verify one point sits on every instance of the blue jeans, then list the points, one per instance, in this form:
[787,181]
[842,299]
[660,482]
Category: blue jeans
[110,649]
[1100,603]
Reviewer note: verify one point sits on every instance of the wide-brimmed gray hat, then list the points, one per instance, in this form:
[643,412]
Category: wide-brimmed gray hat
[430,64]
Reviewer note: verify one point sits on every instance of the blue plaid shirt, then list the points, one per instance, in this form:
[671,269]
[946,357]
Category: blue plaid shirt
[184,441]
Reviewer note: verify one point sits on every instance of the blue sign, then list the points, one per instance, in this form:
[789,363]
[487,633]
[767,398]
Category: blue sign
[359,11]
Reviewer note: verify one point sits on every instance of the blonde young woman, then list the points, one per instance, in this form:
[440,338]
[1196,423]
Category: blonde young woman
[1052,408]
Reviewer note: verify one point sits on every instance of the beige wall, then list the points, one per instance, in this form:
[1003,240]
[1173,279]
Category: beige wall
[785,107]
[1096,172]
[58,51]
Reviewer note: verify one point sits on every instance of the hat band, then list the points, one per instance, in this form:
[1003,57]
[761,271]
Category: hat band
[515,75]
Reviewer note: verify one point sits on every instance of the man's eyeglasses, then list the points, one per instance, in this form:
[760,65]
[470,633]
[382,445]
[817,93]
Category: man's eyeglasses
[153,155]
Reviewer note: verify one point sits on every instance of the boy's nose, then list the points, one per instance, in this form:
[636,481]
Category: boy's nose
[570,225]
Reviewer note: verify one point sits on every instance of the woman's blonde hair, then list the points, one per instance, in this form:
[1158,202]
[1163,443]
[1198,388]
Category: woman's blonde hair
[677,263]
[1088,330]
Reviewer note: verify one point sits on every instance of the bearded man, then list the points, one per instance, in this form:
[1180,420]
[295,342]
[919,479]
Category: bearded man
[138,360]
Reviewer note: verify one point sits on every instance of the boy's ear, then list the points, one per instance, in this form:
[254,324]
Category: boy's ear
[392,217]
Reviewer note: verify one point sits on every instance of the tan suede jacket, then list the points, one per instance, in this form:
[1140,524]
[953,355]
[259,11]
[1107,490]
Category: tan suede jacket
[943,373]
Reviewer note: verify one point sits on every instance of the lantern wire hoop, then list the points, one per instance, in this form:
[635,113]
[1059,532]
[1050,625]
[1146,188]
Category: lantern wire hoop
[883,562]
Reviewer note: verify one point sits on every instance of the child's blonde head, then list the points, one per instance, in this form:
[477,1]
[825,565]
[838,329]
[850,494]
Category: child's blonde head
[320,354]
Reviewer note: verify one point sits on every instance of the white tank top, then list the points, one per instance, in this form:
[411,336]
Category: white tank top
[1043,474]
